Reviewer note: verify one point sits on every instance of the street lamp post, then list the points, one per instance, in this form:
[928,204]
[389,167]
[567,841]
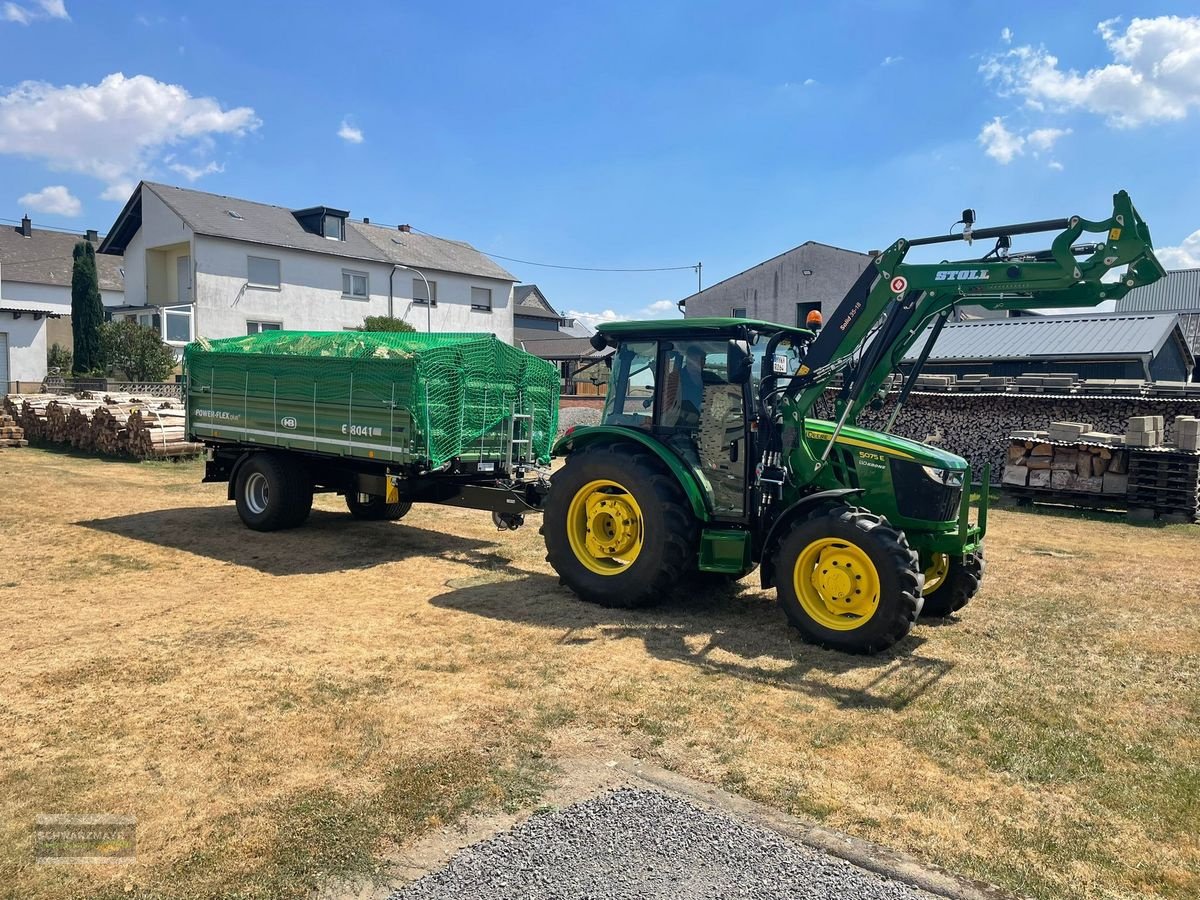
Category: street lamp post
[428,296]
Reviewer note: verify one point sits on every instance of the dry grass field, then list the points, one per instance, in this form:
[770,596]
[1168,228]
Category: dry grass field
[277,708]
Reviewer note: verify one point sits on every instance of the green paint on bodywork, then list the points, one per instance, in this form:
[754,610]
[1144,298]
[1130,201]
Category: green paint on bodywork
[581,437]
[699,327]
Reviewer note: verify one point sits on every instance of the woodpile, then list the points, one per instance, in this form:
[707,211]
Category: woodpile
[11,434]
[114,424]
[1083,466]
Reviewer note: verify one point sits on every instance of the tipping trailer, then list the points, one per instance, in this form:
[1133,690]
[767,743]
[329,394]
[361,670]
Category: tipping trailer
[384,419]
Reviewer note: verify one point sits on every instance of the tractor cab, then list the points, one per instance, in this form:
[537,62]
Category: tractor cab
[689,385]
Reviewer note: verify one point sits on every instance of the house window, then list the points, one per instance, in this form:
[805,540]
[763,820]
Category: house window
[419,295]
[262,272]
[738,312]
[334,227]
[177,324]
[146,320]
[481,299]
[257,327]
[354,284]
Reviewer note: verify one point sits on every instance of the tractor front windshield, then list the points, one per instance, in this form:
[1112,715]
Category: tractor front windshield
[631,387]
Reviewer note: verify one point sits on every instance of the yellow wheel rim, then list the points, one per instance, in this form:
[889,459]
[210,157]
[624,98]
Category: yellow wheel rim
[936,572]
[605,527]
[837,584]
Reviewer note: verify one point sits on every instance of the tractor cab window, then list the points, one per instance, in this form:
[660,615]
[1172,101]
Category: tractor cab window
[631,388]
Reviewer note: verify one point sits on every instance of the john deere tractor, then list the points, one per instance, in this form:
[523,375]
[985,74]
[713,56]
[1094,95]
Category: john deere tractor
[728,444]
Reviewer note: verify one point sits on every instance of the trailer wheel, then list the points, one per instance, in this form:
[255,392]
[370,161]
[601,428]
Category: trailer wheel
[373,508]
[951,582]
[849,581]
[618,530]
[270,493]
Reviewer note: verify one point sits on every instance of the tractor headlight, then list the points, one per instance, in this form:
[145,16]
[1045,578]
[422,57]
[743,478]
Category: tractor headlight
[947,477]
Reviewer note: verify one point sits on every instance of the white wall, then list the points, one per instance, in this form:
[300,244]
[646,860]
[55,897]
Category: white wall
[310,297]
[26,347]
[58,296]
[160,227]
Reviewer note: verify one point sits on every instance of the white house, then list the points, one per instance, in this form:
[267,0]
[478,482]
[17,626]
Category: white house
[199,264]
[35,298]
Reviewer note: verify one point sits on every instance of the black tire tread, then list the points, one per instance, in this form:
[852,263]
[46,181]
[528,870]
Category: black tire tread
[377,511]
[961,584]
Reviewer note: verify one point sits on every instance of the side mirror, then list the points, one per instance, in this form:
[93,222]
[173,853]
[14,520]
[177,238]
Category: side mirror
[739,362]
[598,342]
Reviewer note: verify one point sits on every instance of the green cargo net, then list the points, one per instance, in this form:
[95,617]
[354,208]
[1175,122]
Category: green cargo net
[391,396]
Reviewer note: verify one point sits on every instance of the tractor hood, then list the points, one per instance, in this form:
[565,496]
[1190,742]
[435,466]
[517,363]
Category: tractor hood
[818,431]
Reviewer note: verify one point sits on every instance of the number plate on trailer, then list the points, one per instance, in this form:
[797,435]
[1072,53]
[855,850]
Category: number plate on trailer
[487,467]
[780,364]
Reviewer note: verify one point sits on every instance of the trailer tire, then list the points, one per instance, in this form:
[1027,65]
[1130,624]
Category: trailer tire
[266,493]
[618,529]
[301,492]
[848,580]
[957,581]
[375,508]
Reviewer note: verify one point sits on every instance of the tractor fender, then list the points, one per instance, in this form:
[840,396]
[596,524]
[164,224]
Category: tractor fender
[798,510]
[586,436]
[233,473]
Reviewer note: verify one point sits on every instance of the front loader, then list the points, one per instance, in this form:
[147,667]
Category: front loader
[728,444]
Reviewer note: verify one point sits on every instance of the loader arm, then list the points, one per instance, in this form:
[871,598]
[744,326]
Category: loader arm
[893,302]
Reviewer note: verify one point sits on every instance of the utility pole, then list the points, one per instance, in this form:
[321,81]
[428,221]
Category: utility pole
[699,270]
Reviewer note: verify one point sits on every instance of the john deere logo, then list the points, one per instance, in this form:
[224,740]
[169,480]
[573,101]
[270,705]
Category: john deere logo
[287,422]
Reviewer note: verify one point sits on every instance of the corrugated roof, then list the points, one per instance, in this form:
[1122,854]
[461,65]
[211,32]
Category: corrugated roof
[45,258]
[1113,335]
[1179,290]
[237,219]
[554,345]
[32,306]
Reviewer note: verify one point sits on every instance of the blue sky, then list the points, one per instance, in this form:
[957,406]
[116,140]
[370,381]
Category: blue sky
[612,135]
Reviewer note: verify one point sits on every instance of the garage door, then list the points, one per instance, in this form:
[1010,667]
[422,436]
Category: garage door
[3,363]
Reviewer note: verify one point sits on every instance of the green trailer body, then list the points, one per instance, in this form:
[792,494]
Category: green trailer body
[414,401]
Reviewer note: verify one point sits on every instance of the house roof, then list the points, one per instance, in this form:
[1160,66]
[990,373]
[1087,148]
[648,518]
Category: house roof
[1179,290]
[552,345]
[1103,336]
[233,218]
[45,258]
[865,256]
[411,248]
[528,300]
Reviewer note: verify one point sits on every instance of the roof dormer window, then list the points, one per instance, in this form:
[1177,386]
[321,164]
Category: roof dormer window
[333,227]
[324,221]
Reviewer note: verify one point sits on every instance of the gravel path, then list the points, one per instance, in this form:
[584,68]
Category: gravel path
[637,843]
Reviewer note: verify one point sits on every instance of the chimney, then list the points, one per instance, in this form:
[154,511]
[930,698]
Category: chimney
[93,236]
[26,226]
[874,254]
[405,228]
[366,221]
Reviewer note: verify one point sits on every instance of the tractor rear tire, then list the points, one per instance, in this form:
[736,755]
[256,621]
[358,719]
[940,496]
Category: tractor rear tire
[270,492]
[848,580]
[956,587]
[618,529]
[375,508]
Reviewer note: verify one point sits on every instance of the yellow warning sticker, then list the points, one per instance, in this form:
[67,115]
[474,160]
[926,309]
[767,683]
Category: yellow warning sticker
[803,370]
[1114,234]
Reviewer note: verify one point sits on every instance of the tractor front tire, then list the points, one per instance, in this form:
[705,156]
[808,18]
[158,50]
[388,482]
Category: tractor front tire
[951,582]
[618,529]
[849,581]
[373,508]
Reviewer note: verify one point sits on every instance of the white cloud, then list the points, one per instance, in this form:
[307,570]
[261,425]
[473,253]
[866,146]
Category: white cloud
[349,133]
[659,309]
[118,191]
[1043,139]
[1006,34]
[1184,256]
[891,60]
[809,82]
[41,9]
[1154,75]
[55,200]
[1055,165]
[999,143]
[192,173]
[116,130]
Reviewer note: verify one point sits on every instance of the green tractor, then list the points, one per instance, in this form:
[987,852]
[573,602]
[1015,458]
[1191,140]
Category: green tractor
[728,444]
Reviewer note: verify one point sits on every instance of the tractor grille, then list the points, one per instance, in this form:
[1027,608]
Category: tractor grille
[920,497]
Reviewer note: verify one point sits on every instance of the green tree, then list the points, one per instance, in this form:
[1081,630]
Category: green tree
[58,357]
[87,311]
[385,323]
[135,352]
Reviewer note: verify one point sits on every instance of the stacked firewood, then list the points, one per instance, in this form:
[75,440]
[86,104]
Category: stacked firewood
[109,424]
[1086,465]
[11,434]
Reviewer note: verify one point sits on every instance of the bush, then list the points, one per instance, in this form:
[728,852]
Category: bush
[385,323]
[59,357]
[136,352]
